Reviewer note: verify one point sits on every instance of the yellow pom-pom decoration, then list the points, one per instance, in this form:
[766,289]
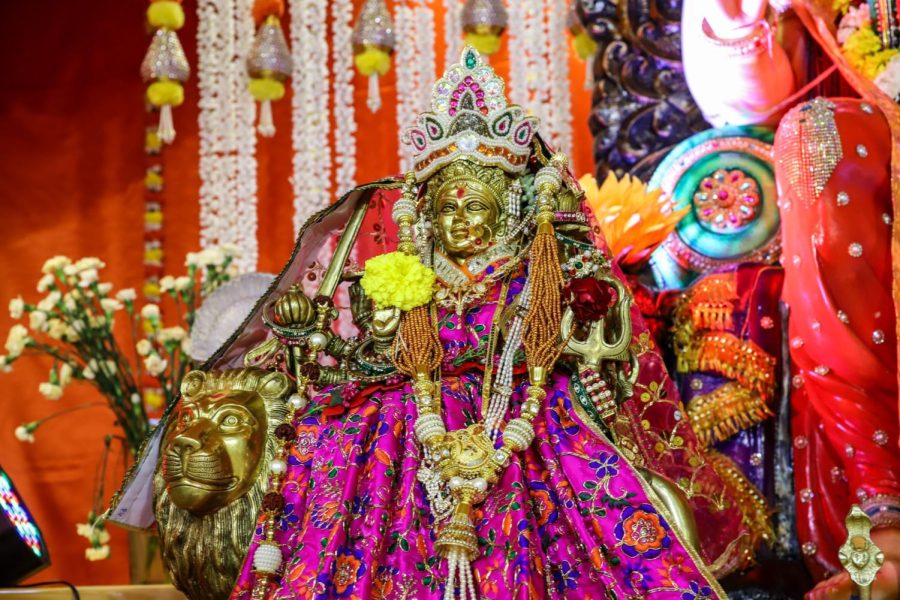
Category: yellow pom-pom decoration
[398,280]
[166,14]
[485,42]
[165,93]
[584,45]
[265,89]
[372,61]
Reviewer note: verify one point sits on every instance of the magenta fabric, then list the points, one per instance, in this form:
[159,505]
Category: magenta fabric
[570,517]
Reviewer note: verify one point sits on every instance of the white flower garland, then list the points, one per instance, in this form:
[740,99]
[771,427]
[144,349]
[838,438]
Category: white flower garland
[518,58]
[406,67]
[453,42]
[344,117]
[560,105]
[309,106]
[227,139]
[424,16]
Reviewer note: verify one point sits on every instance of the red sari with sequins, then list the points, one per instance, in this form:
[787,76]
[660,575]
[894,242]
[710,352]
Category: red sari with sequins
[838,276]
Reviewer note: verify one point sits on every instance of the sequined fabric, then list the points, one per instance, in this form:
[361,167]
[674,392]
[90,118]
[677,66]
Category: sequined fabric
[374,26]
[808,163]
[165,58]
[269,54]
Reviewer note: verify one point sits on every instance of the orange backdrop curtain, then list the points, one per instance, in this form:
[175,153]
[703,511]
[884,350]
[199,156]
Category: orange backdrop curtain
[71,182]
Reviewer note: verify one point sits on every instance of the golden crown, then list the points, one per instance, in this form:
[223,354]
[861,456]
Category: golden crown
[471,119]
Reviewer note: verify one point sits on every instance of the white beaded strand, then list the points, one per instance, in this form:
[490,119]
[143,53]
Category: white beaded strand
[311,124]
[344,116]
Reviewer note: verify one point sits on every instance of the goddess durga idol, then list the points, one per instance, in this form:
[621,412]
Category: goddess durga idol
[499,425]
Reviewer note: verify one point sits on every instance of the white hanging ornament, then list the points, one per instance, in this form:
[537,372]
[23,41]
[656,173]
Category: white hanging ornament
[269,66]
[373,43]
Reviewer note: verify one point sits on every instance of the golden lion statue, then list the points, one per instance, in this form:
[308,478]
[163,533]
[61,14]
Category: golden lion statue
[211,476]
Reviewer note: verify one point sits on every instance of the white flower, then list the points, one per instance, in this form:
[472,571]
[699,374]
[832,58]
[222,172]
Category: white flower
[101,553]
[186,345]
[37,320]
[5,364]
[70,271]
[89,262]
[104,288]
[87,277]
[69,301]
[56,329]
[45,282]
[50,390]
[24,433]
[55,264]
[144,347]
[126,295]
[65,374]
[155,365]
[84,530]
[183,283]
[856,18]
[89,371]
[110,304]
[190,260]
[231,250]
[888,81]
[150,311]
[48,303]
[16,307]
[211,257]
[167,283]
[16,340]
[172,334]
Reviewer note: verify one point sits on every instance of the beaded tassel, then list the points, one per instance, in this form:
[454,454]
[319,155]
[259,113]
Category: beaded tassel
[541,325]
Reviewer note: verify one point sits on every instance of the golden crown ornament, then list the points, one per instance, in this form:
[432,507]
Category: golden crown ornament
[471,119]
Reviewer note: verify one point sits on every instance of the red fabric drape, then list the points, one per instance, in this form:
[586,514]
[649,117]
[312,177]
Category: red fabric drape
[71,182]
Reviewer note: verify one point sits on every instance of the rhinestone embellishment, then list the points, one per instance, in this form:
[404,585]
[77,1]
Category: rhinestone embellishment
[862,151]
[878,336]
[843,199]
[855,250]
[809,548]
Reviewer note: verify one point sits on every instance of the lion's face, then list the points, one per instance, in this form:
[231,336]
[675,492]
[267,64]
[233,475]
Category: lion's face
[212,449]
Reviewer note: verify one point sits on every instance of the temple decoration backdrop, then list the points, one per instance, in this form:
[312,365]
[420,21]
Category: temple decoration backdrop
[83,174]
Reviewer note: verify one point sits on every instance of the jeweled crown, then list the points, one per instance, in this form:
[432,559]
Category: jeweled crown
[471,120]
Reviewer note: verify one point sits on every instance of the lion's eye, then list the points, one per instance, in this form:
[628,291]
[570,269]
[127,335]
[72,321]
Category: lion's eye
[231,421]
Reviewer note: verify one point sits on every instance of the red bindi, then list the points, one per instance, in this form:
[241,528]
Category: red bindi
[460,192]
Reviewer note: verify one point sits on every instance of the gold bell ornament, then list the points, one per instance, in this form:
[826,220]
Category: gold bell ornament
[373,43]
[483,22]
[165,67]
[269,63]
[584,45]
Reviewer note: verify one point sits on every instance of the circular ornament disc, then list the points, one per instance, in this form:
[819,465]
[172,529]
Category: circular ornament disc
[726,176]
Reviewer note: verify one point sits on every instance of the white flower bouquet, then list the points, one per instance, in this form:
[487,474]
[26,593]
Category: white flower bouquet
[73,326]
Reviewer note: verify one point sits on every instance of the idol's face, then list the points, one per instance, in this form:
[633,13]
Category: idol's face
[467,219]
[212,449]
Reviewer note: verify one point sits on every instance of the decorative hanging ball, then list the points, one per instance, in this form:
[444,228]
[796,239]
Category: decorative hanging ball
[166,14]
[373,43]
[584,45]
[269,63]
[483,22]
[165,67]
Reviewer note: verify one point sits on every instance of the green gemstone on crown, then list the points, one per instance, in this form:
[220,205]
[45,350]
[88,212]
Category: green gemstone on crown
[471,59]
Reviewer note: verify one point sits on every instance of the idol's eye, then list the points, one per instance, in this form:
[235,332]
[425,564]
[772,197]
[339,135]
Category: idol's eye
[449,207]
[477,206]
[231,420]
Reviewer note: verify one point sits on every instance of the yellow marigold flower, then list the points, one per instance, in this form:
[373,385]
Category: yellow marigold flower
[841,6]
[398,280]
[860,45]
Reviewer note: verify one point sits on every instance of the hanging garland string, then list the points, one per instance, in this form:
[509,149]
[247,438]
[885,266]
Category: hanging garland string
[309,105]
[165,67]
[407,78]
[560,104]
[452,31]
[269,61]
[344,116]
[228,213]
